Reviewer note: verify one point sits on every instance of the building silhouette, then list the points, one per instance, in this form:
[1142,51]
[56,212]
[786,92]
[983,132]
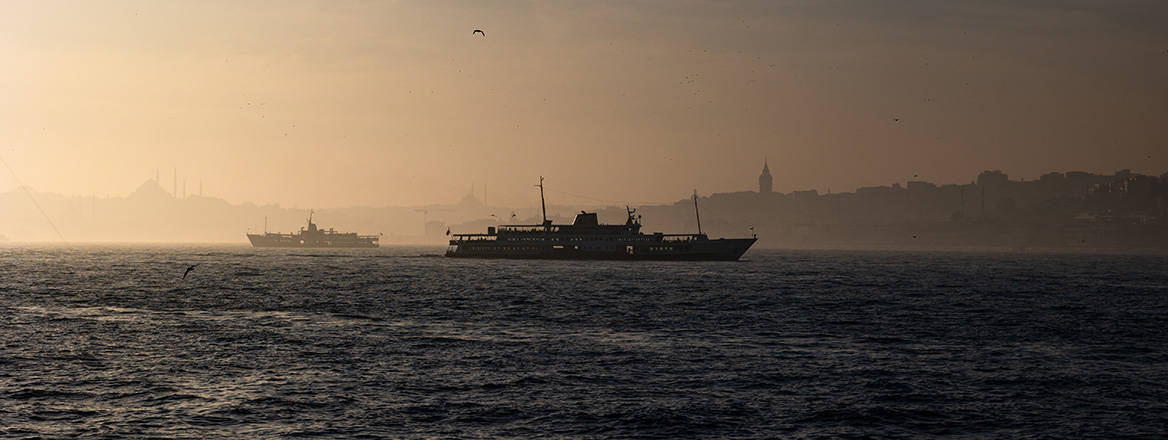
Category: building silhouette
[764,179]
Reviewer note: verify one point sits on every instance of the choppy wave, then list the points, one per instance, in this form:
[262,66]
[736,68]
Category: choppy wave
[393,343]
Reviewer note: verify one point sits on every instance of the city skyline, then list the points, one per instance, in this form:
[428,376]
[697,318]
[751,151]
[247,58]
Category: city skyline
[478,192]
[583,219]
[990,210]
[312,104]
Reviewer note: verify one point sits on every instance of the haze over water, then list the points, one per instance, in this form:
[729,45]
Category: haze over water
[395,342]
[327,105]
[1024,137]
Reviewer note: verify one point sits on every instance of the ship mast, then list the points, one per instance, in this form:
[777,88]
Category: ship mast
[542,205]
[696,214]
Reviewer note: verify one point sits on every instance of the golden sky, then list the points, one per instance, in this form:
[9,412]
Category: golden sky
[339,103]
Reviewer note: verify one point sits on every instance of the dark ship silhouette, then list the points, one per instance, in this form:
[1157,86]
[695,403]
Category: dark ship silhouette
[587,239]
[312,237]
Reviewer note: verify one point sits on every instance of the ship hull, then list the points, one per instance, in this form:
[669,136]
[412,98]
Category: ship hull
[726,249]
[293,241]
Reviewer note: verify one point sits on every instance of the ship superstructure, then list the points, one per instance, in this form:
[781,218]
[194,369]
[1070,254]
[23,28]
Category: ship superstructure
[587,239]
[313,237]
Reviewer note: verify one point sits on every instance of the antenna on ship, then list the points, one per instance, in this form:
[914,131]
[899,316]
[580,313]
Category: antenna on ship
[542,205]
[265,224]
[696,214]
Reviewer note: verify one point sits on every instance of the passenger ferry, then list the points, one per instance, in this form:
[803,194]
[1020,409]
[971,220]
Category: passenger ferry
[587,239]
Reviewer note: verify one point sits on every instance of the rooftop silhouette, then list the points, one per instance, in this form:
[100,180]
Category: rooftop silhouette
[1058,209]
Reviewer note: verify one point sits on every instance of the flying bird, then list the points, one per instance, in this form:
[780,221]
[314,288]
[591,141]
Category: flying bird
[478,31]
[189,269]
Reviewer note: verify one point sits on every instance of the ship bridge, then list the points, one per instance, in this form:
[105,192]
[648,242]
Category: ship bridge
[585,223]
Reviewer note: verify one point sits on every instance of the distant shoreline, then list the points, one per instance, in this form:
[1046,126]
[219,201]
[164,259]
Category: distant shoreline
[1069,250]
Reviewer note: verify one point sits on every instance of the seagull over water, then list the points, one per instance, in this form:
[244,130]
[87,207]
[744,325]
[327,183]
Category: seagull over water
[478,31]
[189,269]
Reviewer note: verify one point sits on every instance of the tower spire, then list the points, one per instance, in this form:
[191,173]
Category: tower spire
[765,182]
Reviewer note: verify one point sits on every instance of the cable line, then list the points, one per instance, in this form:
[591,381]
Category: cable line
[33,200]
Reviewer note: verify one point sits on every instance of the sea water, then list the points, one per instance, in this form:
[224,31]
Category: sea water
[399,342]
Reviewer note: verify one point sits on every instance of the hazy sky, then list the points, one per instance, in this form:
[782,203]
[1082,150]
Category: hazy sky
[337,103]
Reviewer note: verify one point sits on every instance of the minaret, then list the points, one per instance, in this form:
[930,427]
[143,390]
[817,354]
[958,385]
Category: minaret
[764,179]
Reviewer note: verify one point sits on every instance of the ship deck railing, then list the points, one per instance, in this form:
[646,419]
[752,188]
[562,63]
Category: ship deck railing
[681,237]
[529,228]
[474,237]
[557,229]
[646,237]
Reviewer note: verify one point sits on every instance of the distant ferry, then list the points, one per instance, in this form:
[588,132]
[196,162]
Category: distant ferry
[587,239]
[313,238]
